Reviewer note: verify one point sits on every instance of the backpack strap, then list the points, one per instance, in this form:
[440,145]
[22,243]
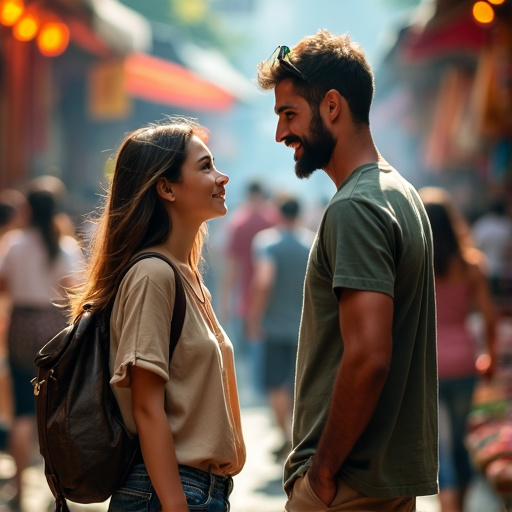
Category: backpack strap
[180,302]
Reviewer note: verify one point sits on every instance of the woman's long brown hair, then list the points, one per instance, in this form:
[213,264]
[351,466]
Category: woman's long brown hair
[450,232]
[42,217]
[134,216]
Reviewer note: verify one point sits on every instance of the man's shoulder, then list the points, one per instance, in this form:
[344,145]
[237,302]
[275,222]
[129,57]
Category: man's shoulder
[250,222]
[373,184]
[304,236]
[267,237]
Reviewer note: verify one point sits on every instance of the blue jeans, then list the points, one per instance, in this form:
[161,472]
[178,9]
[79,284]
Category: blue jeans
[455,399]
[205,492]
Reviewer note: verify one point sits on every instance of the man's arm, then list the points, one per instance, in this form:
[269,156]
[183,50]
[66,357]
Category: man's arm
[261,286]
[231,270]
[366,320]
[486,363]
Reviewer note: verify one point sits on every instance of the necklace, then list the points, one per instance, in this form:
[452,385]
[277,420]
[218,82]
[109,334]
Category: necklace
[186,271]
[187,274]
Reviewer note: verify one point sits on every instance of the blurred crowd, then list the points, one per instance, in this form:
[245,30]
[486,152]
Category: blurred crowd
[259,271]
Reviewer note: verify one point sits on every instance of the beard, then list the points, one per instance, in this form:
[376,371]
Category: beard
[317,149]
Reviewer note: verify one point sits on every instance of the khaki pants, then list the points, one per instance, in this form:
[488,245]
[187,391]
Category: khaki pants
[303,499]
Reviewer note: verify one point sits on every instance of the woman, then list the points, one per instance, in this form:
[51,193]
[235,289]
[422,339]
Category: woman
[461,287]
[186,412]
[36,263]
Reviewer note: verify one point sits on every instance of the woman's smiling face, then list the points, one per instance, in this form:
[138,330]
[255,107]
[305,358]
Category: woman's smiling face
[201,190]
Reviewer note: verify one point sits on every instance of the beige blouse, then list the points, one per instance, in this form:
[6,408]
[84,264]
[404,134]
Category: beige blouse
[201,391]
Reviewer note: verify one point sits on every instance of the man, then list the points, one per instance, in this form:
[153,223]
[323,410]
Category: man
[280,256]
[492,233]
[365,416]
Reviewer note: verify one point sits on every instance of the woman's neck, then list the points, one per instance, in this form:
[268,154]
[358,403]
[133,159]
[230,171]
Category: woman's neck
[180,243]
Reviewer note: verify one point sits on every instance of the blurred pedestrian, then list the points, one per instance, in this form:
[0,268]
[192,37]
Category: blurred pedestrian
[365,415]
[36,264]
[492,234]
[56,187]
[253,215]
[461,288]
[12,211]
[280,256]
[186,412]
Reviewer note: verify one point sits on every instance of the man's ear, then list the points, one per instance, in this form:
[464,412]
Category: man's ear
[164,189]
[333,104]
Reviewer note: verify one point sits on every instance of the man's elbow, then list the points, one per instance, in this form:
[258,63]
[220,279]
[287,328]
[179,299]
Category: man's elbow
[378,366]
[373,368]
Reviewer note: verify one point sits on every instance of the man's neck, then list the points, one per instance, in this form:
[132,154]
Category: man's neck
[349,154]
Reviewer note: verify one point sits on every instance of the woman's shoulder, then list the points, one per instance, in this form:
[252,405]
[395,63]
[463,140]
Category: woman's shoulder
[69,244]
[476,266]
[476,260]
[12,237]
[20,241]
[152,268]
[150,279]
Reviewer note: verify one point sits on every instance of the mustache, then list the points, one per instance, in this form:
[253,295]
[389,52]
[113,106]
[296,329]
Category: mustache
[291,139]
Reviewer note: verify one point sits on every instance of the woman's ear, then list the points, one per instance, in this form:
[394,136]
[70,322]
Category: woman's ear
[164,189]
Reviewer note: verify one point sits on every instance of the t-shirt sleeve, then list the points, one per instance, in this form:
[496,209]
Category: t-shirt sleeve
[143,328]
[261,247]
[359,246]
[6,242]
[73,256]
[4,260]
[234,243]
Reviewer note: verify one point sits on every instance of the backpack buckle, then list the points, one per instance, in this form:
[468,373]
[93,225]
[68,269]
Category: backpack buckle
[37,383]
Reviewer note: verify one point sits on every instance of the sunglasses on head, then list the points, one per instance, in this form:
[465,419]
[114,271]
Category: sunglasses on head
[281,55]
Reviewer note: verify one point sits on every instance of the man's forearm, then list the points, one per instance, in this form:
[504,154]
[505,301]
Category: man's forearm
[355,395]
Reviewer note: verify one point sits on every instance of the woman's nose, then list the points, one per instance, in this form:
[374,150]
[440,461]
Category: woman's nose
[222,178]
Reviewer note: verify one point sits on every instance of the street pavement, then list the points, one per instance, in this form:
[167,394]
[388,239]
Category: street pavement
[258,488]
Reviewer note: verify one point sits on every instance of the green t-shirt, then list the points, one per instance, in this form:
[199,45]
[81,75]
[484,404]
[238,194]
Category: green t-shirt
[374,236]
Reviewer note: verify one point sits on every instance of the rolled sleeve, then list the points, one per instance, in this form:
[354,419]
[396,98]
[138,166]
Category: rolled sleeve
[142,330]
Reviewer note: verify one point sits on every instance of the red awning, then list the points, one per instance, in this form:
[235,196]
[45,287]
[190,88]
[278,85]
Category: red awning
[161,81]
[461,35]
[84,37]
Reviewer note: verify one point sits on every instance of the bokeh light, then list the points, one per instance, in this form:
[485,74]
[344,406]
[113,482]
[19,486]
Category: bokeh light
[10,11]
[26,28]
[191,11]
[483,12]
[53,38]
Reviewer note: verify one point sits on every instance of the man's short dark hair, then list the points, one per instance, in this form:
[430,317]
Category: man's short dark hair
[254,187]
[289,207]
[328,62]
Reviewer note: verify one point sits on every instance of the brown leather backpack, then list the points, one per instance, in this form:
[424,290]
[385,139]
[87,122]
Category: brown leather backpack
[86,448]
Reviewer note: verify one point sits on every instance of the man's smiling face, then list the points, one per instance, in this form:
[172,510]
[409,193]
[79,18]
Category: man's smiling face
[303,130]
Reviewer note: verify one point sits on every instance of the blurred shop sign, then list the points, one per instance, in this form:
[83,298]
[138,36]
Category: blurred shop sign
[108,100]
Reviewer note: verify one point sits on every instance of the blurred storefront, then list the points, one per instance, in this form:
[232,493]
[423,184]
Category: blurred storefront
[444,100]
[34,82]
[60,112]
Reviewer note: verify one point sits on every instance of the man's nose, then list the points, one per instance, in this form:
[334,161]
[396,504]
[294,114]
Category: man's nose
[281,132]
